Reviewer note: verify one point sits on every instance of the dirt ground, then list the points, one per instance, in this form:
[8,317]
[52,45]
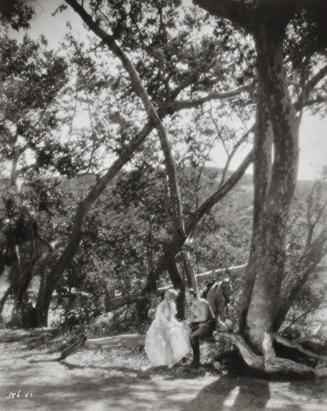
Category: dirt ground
[99,381]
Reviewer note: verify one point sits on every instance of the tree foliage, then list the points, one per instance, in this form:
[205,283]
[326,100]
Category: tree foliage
[151,68]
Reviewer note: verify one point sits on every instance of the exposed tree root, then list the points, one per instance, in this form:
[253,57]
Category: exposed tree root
[298,347]
[313,343]
[249,357]
[269,362]
[277,365]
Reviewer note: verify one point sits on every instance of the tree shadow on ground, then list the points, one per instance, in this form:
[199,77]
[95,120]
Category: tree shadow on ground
[76,386]
[231,393]
[117,393]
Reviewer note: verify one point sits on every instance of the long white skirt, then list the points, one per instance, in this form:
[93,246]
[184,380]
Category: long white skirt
[167,345]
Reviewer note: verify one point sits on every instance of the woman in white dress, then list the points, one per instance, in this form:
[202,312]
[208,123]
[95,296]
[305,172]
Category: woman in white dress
[167,340]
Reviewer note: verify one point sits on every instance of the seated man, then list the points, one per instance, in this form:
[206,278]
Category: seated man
[201,322]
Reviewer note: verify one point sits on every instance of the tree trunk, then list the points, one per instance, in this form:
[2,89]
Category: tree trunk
[190,274]
[265,299]
[269,237]
[5,297]
[43,303]
[261,181]
[178,283]
[25,278]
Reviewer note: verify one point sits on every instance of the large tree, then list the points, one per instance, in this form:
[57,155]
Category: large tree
[290,42]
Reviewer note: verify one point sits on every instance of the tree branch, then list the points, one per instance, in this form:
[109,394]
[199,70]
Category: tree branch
[233,152]
[185,83]
[176,242]
[183,104]
[220,193]
[151,112]
[302,100]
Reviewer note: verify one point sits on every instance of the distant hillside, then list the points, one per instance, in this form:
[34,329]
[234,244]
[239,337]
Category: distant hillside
[81,183]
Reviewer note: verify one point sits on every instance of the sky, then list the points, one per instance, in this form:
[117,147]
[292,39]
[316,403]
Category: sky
[313,130]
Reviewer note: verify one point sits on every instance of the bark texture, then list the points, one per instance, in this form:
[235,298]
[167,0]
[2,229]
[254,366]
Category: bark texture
[271,230]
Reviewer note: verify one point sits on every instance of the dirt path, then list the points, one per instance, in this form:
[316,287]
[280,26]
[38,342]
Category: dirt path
[99,381]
